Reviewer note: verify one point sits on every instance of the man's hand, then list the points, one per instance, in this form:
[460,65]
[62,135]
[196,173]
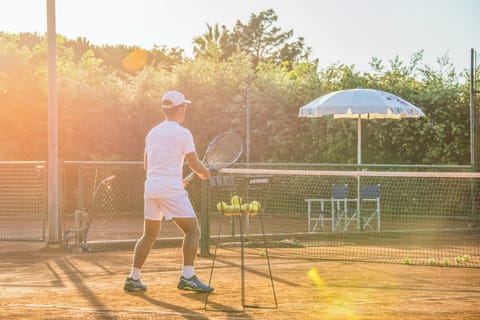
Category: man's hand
[203,175]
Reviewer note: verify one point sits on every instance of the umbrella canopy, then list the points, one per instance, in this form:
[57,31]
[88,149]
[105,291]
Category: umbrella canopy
[361,104]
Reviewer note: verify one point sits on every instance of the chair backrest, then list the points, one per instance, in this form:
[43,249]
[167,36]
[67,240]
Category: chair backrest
[370,191]
[339,191]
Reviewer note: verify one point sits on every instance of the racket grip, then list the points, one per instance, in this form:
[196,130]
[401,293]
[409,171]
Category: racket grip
[189,177]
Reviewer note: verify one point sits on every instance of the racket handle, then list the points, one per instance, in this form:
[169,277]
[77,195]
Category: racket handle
[189,177]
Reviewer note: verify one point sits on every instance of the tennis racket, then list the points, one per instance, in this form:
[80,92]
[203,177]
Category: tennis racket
[83,218]
[223,151]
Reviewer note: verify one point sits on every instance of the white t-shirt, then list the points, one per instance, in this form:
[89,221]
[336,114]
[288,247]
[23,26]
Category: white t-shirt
[166,146]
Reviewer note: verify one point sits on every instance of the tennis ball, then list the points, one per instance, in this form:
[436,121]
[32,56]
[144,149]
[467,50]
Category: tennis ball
[446,262]
[431,262]
[466,258]
[315,277]
[458,259]
[407,260]
[252,209]
[236,200]
[222,206]
[255,205]
[262,253]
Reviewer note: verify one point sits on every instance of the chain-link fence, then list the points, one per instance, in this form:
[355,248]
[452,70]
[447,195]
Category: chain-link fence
[23,200]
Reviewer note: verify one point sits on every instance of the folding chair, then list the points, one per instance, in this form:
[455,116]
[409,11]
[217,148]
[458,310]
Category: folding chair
[343,212]
[369,194]
[335,209]
[319,211]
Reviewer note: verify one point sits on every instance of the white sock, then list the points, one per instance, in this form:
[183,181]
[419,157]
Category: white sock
[188,272]
[135,273]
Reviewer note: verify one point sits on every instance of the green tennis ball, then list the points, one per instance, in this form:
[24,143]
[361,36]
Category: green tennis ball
[458,259]
[236,200]
[407,260]
[466,258]
[252,209]
[262,253]
[222,206]
[446,262]
[255,205]
[431,262]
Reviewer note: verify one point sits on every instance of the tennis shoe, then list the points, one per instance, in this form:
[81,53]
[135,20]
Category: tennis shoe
[134,285]
[193,284]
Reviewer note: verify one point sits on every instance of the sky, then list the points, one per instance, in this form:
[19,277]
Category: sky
[350,32]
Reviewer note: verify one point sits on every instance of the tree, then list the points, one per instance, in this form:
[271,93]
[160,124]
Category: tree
[260,39]
[212,43]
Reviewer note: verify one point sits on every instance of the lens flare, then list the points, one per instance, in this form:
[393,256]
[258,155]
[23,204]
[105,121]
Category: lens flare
[135,60]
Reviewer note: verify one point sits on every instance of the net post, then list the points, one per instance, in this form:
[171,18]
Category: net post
[204,222]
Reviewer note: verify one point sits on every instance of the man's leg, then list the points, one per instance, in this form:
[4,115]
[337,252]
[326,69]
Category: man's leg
[191,231]
[142,248]
[151,228]
[188,280]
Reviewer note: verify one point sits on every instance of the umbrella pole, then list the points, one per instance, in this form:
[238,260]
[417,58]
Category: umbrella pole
[359,140]
[359,162]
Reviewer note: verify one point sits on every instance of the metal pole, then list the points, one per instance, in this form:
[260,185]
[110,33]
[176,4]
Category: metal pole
[472,107]
[205,222]
[359,162]
[473,92]
[247,147]
[359,140]
[53,201]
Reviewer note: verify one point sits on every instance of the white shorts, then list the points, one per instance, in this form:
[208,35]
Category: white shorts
[158,209]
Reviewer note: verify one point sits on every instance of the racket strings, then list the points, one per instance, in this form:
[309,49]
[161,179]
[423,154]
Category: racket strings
[224,151]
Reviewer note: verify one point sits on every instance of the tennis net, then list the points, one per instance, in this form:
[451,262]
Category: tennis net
[380,216]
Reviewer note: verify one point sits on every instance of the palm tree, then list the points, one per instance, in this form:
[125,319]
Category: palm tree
[211,43]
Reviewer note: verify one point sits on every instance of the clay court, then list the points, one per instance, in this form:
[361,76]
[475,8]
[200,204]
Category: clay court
[39,282]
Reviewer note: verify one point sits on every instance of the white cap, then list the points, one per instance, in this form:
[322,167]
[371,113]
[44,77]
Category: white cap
[175,99]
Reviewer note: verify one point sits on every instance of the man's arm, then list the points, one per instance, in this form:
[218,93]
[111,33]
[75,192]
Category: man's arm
[197,166]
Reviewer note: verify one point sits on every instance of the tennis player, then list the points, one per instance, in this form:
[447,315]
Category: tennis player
[165,197]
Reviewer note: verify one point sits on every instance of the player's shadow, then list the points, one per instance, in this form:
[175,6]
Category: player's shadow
[178,310]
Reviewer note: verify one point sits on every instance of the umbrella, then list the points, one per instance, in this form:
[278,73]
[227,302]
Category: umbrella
[360,104]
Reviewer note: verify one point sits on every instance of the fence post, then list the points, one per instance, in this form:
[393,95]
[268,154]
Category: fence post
[205,222]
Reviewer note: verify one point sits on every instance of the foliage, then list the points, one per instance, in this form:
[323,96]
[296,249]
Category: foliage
[105,111]
[259,39]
